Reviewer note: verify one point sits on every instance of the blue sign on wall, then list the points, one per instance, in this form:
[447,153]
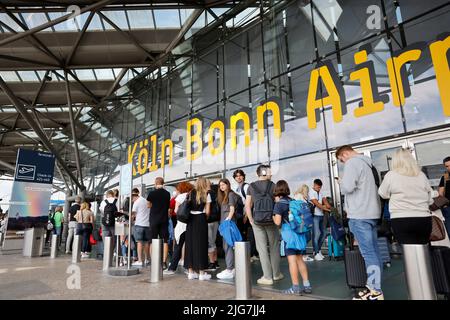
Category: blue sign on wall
[35,166]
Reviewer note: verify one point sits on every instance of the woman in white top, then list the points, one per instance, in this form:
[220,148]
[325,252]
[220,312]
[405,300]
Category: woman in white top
[410,194]
[183,188]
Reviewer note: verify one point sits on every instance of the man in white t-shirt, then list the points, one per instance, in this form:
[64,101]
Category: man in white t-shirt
[321,204]
[141,229]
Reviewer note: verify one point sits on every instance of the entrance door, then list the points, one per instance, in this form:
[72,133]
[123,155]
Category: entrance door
[428,148]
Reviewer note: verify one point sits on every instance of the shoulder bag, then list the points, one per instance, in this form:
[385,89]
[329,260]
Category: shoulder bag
[437,229]
[184,210]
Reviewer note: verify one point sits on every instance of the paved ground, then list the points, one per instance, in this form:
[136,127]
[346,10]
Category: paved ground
[43,278]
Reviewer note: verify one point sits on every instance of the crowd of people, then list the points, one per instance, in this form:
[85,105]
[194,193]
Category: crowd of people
[261,212]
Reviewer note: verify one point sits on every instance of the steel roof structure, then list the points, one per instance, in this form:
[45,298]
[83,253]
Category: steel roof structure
[65,66]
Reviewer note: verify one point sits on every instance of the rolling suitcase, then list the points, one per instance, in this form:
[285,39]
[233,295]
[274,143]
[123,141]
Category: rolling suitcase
[440,264]
[335,248]
[355,268]
[383,247]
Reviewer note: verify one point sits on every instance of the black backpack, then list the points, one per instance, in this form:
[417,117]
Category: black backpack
[263,206]
[239,208]
[109,213]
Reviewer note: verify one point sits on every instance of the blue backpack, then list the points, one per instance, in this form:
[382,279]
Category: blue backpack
[300,216]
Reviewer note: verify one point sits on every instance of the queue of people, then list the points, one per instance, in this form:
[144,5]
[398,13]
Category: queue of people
[261,211]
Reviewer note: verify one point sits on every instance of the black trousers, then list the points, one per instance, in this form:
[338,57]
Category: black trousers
[177,252]
[247,235]
[412,230]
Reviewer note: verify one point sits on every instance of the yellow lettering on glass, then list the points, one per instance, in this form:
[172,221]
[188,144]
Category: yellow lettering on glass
[439,50]
[142,159]
[154,142]
[166,144]
[216,125]
[245,118]
[260,111]
[398,83]
[194,138]
[131,152]
[364,76]
[333,98]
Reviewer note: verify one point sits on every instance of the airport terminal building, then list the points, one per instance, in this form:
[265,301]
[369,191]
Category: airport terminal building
[190,89]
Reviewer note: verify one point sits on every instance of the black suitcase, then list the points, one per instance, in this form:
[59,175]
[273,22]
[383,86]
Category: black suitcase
[355,268]
[440,264]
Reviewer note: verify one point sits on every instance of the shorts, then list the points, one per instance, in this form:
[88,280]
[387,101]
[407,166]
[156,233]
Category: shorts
[142,234]
[293,252]
[159,230]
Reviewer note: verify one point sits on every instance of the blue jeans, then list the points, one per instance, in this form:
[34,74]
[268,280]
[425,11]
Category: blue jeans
[318,233]
[58,231]
[365,232]
[446,214]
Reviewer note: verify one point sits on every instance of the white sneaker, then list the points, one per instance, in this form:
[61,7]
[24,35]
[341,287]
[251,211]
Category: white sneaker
[254,258]
[168,272]
[226,274]
[279,277]
[264,281]
[307,259]
[321,255]
[318,257]
[181,262]
[204,276]
[147,263]
[137,264]
[192,276]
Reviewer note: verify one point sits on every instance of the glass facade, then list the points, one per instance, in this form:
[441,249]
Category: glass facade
[273,57]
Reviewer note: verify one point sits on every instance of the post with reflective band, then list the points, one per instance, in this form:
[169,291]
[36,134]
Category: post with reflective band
[418,272]
[156,273]
[54,249]
[243,281]
[107,253]
[76,249]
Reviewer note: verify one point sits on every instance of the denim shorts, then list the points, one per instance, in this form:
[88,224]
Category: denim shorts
[293,252]
[142,234]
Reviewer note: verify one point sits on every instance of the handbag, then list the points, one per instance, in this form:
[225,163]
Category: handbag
[92,241]
[439,202]
[184,210]
[437,229]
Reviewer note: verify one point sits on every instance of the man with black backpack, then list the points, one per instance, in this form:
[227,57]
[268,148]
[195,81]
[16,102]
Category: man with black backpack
[108,209]
[243,224]
[359,185]
[259,208]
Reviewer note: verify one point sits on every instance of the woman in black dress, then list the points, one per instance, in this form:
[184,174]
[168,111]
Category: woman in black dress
[196,250]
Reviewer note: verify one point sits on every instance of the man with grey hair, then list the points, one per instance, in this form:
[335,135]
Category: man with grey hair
[72,224]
